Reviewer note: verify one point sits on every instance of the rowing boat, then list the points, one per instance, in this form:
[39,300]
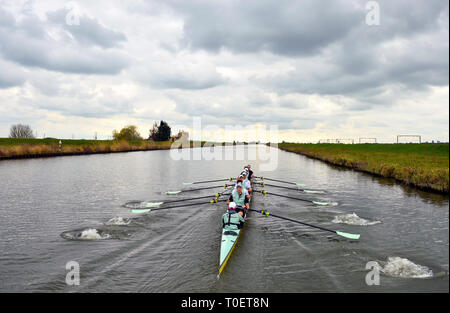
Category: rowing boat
[229,241]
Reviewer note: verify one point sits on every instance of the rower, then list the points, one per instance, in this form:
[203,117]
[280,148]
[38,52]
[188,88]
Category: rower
[240,180]
[232,220]
[241,200]
[250,172]
[246,183]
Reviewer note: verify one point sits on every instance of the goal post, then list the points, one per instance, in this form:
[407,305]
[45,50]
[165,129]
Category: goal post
[347,141]
[407,139]
[367,140]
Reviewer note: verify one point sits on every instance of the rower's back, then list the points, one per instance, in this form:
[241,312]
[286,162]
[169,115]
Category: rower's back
[232,220]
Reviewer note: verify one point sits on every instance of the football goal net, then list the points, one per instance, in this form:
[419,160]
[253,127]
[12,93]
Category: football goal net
[409,139]
[368,140]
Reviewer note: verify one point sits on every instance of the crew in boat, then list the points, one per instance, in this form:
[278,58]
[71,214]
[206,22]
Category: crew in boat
[240,180]
[239,197]
[232,220]
[246,183]
[250,173]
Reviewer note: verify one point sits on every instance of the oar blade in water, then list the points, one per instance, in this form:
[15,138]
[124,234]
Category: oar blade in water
[300,185]
[187,184]
[140,211]
[349,236]
[173,192]
[313,191]
[320,203]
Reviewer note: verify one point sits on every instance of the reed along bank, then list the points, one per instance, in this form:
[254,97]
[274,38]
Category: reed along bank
[34,148]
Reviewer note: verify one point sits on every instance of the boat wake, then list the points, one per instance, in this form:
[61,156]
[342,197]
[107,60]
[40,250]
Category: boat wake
[403,268]
[353,219]
[118,221]
[86,235]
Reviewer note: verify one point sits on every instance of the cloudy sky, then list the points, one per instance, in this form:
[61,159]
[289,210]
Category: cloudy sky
[315,68]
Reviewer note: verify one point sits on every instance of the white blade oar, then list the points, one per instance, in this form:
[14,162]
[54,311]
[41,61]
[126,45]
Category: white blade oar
[313,191]
[340,233]
[320,203]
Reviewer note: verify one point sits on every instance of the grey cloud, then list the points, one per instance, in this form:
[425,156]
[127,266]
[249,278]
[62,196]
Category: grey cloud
[240,108]
[10,75]
[186,82]
[28,43]
[347,57]
[96,107]
[89,31]
[283,27]
[365,74]
[6,19]
[170,73]
[270,62]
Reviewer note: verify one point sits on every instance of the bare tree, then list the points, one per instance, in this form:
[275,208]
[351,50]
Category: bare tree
[20,131]
[153,132]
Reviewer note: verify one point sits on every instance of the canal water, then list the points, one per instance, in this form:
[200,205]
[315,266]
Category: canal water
[78,209]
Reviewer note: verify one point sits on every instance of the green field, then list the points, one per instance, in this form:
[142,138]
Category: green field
[421,165]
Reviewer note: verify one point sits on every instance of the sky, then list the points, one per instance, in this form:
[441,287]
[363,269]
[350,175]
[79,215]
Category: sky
[315,69]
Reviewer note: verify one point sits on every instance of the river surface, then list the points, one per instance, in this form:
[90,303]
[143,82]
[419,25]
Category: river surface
[57,210]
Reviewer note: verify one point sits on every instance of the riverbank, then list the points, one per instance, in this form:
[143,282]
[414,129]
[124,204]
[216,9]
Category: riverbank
[11,148]
[35,148]
[424,166]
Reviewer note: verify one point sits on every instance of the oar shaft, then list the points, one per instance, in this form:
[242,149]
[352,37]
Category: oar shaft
[196,198]
[186,205]
[283,196]
[283,187]
[296,221]
[211,181]
[280,181]
[204,188]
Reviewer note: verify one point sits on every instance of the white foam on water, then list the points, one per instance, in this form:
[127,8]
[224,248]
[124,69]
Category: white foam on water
[135,204]
[353,219]
[120,221]
[91,234]
[404,268]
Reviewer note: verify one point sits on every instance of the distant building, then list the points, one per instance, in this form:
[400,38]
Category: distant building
[184,136]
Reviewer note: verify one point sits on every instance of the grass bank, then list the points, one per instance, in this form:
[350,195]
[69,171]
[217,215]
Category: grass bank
[424,166]
[33,148]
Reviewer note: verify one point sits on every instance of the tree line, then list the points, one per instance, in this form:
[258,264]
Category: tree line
[161,132]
